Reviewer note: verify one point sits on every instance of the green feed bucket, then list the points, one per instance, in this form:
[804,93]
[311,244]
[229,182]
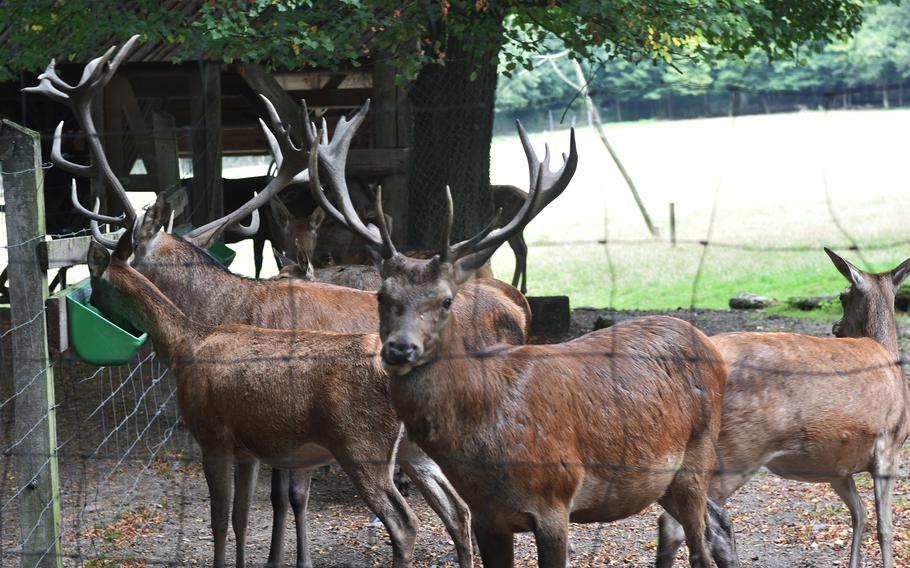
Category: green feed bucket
[219,251]
[94,338]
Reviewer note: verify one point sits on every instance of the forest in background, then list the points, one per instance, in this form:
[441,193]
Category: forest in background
[872,69]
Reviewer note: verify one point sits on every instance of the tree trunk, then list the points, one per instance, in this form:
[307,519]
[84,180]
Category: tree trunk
[885,102]
[618,110]
[453,130]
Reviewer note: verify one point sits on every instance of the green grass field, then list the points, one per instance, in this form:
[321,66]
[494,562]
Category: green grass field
[767,180]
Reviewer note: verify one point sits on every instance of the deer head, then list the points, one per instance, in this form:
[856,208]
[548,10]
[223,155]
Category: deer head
[417,294]
[869,302]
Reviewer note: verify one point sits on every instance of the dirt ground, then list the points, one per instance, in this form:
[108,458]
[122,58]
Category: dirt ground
[134,493]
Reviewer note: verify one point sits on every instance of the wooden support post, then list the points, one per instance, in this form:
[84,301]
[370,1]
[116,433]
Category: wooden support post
[264,83]
[164,134]
[206,197]
[673,223]
[391,129]
[35,423]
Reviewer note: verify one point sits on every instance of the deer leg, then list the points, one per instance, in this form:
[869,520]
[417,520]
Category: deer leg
[258,245]
[280,485]
[552,536]
[686,499]
[846,490]
[244,483]
[374,483]
[883,482]
[721,540]
[441,497]
[670,536]
[520,276]
[217,470]
[299,493]
[496,550]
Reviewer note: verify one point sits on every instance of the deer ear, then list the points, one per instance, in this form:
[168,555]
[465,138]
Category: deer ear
[98,259]
[467,266]
[124,249]
[156,217]
[901,272]
[281,258]
[317,217]
[850,272]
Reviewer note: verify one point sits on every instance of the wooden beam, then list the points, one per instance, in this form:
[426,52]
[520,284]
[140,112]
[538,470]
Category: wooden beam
[206,198]
[35,427]
[125,97]
[262,82]
[164,136]
[378,162]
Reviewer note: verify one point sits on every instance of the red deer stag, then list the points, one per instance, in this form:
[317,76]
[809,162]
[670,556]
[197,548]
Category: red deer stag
[209,294]
[817,409]
[233,380]
[536,436]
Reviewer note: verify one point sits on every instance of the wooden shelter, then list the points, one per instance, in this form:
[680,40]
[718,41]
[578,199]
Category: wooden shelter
[157,111]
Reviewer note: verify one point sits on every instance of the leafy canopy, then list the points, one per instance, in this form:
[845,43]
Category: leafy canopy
[289,34]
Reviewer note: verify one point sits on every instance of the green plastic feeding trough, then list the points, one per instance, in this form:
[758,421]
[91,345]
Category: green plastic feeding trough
[219,251]
[93,337]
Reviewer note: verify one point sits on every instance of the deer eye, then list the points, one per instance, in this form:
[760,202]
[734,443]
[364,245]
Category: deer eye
[447,303]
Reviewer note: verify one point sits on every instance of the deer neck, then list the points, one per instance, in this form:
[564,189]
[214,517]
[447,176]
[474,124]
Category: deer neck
[443,401]
[172,332]
[884,331]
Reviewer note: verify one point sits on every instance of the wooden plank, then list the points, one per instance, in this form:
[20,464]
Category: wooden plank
[207,201]
[164,136]
[126,98]
[35,420]
[316,80]
[62,253]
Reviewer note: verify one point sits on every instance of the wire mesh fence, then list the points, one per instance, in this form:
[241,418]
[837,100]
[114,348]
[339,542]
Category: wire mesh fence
[131,490]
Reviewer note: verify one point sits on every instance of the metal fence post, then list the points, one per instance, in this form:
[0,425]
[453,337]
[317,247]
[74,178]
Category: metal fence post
[35,424]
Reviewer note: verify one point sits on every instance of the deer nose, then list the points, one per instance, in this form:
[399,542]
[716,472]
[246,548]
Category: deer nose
[400,353]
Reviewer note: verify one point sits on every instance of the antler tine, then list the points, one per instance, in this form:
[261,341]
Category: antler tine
[61,162]
[96,231]
[533,162]
[347,218]
[309,129]
[94,215]
[291,165]
[447,233]
[388,248]
[96,74]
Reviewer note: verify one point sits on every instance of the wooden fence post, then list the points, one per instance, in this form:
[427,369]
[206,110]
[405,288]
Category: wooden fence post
[35,423]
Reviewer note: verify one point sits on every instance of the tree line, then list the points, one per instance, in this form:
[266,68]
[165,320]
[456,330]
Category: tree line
[871,68]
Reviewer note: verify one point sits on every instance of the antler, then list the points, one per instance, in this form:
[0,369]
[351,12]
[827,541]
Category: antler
[291,163]
[551,187]
[97,73]
[545,187]
[333,158]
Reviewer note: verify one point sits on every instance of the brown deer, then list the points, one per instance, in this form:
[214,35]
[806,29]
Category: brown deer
[233,380]
[536,436]
[208,293]
[817,409]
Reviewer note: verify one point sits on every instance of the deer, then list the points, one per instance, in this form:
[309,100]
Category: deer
[817,409]
[208,293]
[536,436]
[232,380]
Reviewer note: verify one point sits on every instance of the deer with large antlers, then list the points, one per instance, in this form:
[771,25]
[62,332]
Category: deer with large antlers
[328,389]
[209,294]
[536,436]
[817,409]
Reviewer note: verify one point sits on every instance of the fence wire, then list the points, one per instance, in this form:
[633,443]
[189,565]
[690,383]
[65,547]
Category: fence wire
[130,474]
